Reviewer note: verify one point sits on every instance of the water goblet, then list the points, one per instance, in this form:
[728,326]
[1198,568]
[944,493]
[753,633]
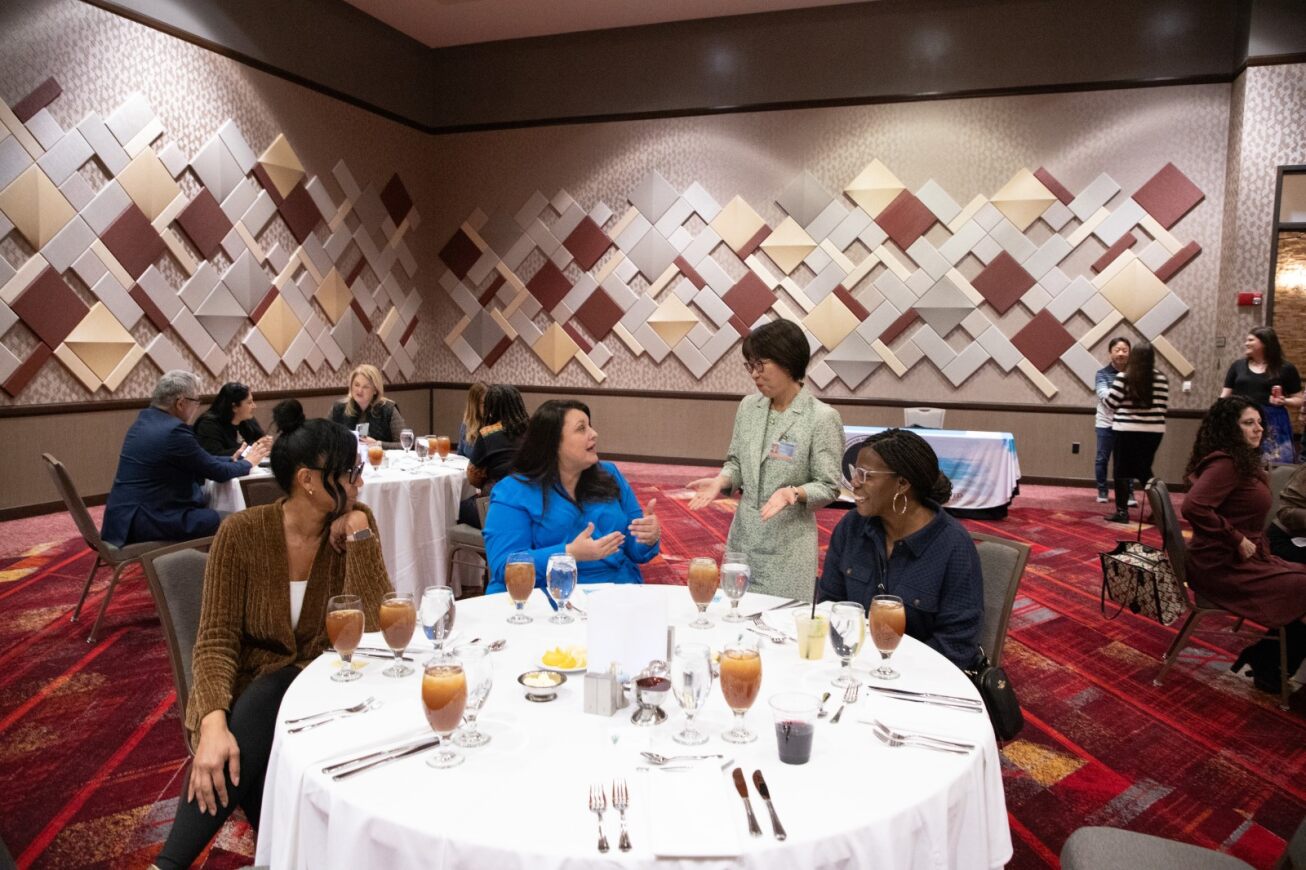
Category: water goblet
[437,614]
[561,577]
[735,576]
[847,634]
[406,438]
[475,659]
[691,682]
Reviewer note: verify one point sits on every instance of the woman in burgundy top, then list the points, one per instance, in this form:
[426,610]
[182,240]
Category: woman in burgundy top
[1229,561]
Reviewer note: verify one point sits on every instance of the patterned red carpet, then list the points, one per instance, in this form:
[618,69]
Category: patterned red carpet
[91,752]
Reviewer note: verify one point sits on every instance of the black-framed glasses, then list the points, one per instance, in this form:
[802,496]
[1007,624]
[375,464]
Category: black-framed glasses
[755,366]
[354,473]
[858,475]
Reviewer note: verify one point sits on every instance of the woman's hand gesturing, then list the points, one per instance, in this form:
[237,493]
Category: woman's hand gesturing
[646,529]
[706,490]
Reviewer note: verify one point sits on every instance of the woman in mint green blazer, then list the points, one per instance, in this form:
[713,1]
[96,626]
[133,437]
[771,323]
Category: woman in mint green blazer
[783,458]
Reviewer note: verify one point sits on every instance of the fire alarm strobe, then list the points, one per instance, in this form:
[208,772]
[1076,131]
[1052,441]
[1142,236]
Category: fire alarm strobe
[1247,299]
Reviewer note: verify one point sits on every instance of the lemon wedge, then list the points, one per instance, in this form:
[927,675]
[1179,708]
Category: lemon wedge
[568,658]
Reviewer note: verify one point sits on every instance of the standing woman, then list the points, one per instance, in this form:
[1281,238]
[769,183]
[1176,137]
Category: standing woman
[1264,377]
[784,456]
[1139,397]
[473,419]
[1106,439]
[367,403]
[229,425]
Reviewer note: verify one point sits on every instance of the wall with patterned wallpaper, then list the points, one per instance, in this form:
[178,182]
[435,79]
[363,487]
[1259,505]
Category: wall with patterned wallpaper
[965,148]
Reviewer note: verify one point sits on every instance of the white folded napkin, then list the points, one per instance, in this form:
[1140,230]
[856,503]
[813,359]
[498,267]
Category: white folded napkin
[692,813]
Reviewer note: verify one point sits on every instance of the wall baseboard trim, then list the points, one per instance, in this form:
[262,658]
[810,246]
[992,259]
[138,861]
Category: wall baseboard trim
[22,512]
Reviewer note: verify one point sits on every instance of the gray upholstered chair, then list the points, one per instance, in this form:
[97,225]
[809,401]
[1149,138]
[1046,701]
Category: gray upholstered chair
[176,578]
[923,418]
[1279,476]
[1113,849]
[1172,540]
[469,543]
[117,558]
[257,491]
[1002,562]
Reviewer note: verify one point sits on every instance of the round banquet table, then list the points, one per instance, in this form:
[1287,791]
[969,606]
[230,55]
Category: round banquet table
[414,505]
[520,801]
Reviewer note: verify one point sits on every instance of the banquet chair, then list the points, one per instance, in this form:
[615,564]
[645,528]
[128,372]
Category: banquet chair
[1279,476]
[463,539]
[1002,564]
[923,418]
[117,558]
[1172,540]
[1094,848]
[257,491]
[176,578]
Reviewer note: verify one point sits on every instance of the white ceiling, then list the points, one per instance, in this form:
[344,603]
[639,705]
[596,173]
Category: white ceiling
[458,22]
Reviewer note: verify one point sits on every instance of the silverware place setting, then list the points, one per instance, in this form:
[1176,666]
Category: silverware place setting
[895,737]
[360,763]
[954,701]
[599,803]
[348,712]
[759,783]
[356,708]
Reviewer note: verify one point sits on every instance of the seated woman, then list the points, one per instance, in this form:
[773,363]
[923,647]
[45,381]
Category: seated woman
[270,572]
[1229,562]
[473,419]
[493,451]
[560,498]
[900,542]
[367,403]
[228,426]
[1290,522]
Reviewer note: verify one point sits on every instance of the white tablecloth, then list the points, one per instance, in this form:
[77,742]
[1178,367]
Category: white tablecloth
[414,506]
[982,466]
[520,801]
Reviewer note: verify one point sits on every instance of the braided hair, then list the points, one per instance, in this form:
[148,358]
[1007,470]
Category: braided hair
[910,456]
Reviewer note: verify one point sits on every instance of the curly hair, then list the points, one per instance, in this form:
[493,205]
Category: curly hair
[1220,431]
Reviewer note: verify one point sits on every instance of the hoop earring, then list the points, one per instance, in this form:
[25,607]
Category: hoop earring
[903,511]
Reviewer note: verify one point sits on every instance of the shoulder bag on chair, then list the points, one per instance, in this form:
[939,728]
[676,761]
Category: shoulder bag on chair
[999,698]
[1140,577]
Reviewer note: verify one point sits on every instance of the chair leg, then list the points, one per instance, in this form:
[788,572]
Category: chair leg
[1179,642]
[104,606]
[1283,668]
[86,587]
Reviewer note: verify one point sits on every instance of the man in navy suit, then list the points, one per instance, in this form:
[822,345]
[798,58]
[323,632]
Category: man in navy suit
[157,493]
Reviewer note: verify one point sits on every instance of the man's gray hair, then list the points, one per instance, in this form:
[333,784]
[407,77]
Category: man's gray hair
[174,385]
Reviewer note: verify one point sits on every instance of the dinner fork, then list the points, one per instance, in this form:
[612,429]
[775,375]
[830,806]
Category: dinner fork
[849,697]
[357,708]
[599,803]
[912,735]
[896,738]
[621,800]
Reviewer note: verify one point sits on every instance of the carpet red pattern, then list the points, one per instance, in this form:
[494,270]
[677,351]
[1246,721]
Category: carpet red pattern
[91,757]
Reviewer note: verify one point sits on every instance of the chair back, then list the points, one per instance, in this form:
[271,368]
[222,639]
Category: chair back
[1279,477]
[923,418]
[1294,857]
[1002,564]
[1172,539]
[176,578]
[259,490]
[73,501]
[482,508]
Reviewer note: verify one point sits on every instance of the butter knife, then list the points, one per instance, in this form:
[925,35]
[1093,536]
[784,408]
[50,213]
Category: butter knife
[954,699]
[393,755]
[765,792]
[349,762]
[367,652]
[936,702]
[741,786]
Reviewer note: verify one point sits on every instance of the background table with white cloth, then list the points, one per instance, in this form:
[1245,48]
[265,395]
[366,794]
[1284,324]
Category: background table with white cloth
[520,800]
[414,505]
[983,466]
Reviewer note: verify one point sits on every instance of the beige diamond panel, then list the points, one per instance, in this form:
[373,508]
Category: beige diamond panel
[309,306]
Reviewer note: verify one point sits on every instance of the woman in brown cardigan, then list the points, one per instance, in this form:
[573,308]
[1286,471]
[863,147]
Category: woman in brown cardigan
[1229,561]
[270,572]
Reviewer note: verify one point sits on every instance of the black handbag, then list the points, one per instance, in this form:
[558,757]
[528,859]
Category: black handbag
[999,697]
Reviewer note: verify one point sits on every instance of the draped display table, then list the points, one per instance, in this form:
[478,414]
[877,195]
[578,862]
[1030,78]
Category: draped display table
[520,800]
[983,466]
[414,506]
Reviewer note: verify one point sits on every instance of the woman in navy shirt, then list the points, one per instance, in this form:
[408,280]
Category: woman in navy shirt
[560,498]
[900,542]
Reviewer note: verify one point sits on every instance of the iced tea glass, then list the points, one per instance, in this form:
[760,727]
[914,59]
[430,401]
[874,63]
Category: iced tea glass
[398,618]
[703,582]
[741,679]
[344,627]
[442,446]
[444,698]
[888,623]
[375,455]
[519,577]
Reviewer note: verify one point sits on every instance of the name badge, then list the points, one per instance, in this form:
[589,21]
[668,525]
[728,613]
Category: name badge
[783,450]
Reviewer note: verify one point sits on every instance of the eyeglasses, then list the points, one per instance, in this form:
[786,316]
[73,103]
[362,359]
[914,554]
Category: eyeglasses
[195,399]
[354,473]
[754,366]
[858,475]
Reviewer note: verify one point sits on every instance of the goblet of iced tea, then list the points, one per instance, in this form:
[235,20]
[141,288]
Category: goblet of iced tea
[375,453]
[519,577]
[344,627]
[442,446]
[398,618]
[888,623]
[703,582]
[741,679]
[444,697]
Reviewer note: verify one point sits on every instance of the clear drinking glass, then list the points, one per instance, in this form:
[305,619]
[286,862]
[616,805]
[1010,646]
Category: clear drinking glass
[344,627]
[444,698]
[691,681]
[519,577]
[888,623]
[442,446]
[398,619]
[847,634]
[406,440]
[437,614]
[741,679]
[703,582]
[561,577]
[735,576]
[421,447]
[475,659]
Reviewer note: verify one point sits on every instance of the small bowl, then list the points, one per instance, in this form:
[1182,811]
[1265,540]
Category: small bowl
[542,685]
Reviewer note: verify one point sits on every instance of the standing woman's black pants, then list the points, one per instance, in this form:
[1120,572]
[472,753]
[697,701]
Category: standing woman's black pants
[1132,457]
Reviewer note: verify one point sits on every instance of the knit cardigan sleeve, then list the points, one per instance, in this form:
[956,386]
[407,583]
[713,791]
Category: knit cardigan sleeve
[216,657]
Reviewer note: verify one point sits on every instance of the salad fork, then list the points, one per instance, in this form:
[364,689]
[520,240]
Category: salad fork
[599,803]
[849,697]
[620,801]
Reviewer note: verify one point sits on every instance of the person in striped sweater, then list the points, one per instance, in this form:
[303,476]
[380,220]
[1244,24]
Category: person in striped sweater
[1139,397]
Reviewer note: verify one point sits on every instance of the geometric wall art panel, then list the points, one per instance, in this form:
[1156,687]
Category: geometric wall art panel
[207,213]
[875,276]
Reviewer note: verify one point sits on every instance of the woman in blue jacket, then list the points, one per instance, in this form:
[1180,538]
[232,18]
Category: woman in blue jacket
[560,498]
